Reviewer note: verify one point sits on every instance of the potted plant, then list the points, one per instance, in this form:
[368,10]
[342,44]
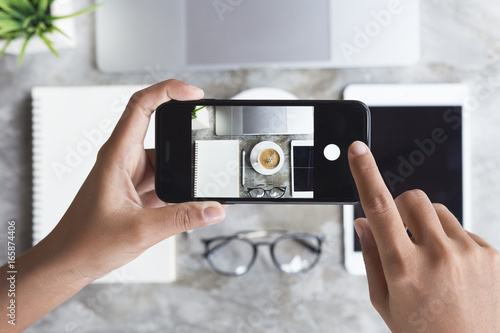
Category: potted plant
[27,25]
[199,117]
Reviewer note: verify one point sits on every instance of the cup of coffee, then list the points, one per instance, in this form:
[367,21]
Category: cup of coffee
[267,158]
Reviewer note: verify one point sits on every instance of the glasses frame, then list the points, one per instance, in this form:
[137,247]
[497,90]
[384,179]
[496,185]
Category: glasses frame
[245,235]
[266,192]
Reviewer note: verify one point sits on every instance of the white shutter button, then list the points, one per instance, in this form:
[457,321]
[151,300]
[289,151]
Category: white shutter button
[331,152]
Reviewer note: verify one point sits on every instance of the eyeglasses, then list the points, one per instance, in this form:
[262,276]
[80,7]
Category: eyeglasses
[271,190]
[291,253]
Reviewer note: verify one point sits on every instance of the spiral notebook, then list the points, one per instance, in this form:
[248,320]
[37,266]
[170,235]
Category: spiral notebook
[216,173]
[69,126]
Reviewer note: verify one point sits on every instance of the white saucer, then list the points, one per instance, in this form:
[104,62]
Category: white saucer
[254,155]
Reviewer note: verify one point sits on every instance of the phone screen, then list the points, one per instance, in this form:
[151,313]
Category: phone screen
[419,148]
[241,151]
[248,154]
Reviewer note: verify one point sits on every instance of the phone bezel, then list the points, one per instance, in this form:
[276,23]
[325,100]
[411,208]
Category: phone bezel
[352,106]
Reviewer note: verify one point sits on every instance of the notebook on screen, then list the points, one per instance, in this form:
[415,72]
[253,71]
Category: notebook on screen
[217,168]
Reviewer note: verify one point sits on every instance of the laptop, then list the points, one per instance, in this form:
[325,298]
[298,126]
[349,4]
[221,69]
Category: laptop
[262,120]
[133,35]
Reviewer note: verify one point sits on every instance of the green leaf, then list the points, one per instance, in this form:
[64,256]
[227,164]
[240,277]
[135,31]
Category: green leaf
[5,2]
[48,43]
[2,52]
[6,6]
[42,26]
[5,16]
[9,18]
[80,12]
[8,29]
[60,31]
[198,109]
[23,49]
[7,23]
[28,20]
[193,113]
[38,30]
[26,6]
[42,6]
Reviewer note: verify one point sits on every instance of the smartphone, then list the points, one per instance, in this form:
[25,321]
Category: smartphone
[419,139]
[242,153]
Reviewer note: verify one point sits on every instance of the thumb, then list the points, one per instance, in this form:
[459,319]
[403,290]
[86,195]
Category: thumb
[374,270]
[176,218]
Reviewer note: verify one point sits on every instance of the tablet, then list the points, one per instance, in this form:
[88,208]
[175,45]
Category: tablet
[302,153]
[419,140]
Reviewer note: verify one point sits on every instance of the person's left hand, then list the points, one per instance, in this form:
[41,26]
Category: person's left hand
[116,215]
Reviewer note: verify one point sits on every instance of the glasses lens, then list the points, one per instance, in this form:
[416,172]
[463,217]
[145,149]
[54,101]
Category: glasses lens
[296,254]
[277,192]
[231,257]
[257,193]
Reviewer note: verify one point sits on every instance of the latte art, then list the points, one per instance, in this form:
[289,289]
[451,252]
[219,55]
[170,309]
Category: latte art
[269,158]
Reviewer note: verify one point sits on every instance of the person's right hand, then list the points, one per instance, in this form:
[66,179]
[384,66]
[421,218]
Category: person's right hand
[443,279]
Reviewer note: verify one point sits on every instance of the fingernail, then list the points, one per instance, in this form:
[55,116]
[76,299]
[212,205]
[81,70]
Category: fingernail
[359,229]
[213,214]
[358,148]
[194,88]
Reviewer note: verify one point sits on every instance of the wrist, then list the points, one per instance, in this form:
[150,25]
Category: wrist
[64,267]
[45,278]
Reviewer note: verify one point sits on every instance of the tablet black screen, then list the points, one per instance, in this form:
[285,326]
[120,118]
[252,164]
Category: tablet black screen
[419,148]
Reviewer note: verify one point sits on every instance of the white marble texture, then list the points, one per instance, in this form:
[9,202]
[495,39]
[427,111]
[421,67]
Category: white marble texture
[461,43]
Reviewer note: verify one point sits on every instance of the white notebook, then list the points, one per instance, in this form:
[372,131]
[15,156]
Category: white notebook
[69,126]
[217,169]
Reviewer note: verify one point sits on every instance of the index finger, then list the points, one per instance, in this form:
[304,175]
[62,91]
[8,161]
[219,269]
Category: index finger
[378,204]
[133,124]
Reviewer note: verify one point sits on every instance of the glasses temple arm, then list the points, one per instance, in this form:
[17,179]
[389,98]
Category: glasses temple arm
[309,246]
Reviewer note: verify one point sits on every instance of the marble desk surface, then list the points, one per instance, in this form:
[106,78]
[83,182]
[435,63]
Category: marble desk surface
[460,43]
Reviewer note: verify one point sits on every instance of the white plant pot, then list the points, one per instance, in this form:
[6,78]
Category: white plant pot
[201,121]
[36,45]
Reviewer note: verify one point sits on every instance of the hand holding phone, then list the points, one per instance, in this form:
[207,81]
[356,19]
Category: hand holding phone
[207,164]
[113,219]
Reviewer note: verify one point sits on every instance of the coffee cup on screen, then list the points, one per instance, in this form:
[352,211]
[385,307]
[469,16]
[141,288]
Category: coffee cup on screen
[269,158]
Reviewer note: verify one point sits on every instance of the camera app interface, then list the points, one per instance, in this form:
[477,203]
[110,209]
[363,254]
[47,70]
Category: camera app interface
[256,152]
